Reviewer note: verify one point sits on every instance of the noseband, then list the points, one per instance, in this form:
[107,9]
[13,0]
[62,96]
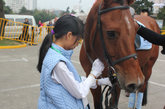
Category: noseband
[108,58]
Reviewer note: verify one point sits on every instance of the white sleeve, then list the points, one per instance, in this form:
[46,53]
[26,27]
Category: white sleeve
[104,81]
[93,86]
[63,76]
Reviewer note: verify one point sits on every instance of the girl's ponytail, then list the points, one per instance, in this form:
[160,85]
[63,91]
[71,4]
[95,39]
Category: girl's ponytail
[43,50]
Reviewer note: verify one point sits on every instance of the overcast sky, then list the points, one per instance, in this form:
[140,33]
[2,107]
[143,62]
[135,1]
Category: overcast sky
[63,4]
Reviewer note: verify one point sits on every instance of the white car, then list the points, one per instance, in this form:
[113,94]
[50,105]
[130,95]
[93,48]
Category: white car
[14,26]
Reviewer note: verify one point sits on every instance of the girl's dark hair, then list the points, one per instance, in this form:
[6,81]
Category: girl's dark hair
[63,25]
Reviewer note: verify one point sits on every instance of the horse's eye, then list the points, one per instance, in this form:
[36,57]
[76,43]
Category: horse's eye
[111,34]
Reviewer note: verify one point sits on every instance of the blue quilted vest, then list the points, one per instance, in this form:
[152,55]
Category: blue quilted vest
[53,95]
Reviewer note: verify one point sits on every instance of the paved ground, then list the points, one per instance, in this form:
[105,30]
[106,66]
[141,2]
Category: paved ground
[19,80]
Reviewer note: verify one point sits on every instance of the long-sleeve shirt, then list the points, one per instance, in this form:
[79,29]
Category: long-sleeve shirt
[63,76]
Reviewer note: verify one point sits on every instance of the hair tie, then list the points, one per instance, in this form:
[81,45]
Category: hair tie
[52,32]
[72,14]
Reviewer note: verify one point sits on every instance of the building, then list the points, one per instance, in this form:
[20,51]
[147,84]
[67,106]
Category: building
[157,5]
[16,5]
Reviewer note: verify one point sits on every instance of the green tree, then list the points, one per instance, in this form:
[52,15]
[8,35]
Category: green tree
[7,10]
[43,15]
[23,10]
[161,14]
[142,4]
[2,22]
[1,9]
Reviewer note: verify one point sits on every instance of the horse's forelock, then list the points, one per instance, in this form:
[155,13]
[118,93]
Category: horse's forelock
[90,22]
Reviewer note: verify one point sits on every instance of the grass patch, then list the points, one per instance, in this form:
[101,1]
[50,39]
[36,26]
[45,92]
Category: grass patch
[163,28]
[7,42]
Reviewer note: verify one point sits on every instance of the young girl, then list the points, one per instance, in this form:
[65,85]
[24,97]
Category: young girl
[61,86]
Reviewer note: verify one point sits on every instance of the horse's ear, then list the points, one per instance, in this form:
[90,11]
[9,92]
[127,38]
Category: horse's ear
[130,2]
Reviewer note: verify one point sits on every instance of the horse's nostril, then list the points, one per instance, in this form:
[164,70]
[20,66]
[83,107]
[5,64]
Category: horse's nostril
[131,87]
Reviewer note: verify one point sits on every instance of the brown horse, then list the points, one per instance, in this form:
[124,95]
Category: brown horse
[146,58]
[109,35]
[149,57]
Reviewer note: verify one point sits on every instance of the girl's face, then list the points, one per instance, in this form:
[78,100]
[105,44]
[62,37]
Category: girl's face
[72,41]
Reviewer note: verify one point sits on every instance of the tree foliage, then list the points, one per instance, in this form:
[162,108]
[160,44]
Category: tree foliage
[142,4]
[3,23]
[42,15]
[8,10]
[1,9]
[24,11]
[161,14]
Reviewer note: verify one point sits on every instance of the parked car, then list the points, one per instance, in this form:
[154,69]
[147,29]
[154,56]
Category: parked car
[14,26]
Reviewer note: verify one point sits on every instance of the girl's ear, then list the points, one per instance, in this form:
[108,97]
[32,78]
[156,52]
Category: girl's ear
[69,35]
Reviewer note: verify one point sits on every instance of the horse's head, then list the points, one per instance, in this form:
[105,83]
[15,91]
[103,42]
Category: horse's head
[112,32]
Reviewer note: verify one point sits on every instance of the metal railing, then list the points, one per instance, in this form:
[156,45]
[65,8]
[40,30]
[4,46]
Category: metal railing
[26,33]
[163,32]
[23,32]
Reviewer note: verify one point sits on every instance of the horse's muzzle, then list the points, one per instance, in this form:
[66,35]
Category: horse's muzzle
[132,87]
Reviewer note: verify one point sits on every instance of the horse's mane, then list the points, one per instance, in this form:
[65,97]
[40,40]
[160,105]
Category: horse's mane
[92,16]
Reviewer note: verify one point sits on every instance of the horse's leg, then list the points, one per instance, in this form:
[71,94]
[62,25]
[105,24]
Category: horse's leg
[115,97]
[147,73]
[148,70]
[97,97]
[144,89]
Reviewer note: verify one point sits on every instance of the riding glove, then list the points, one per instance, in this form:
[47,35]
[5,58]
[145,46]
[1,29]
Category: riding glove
[97,68]
[100,82]
[104,81]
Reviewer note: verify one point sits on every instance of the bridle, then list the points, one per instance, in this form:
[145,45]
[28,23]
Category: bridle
[108,58]
[111,70]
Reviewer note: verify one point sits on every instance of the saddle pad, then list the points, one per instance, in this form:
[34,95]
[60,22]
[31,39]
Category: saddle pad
[144,44]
